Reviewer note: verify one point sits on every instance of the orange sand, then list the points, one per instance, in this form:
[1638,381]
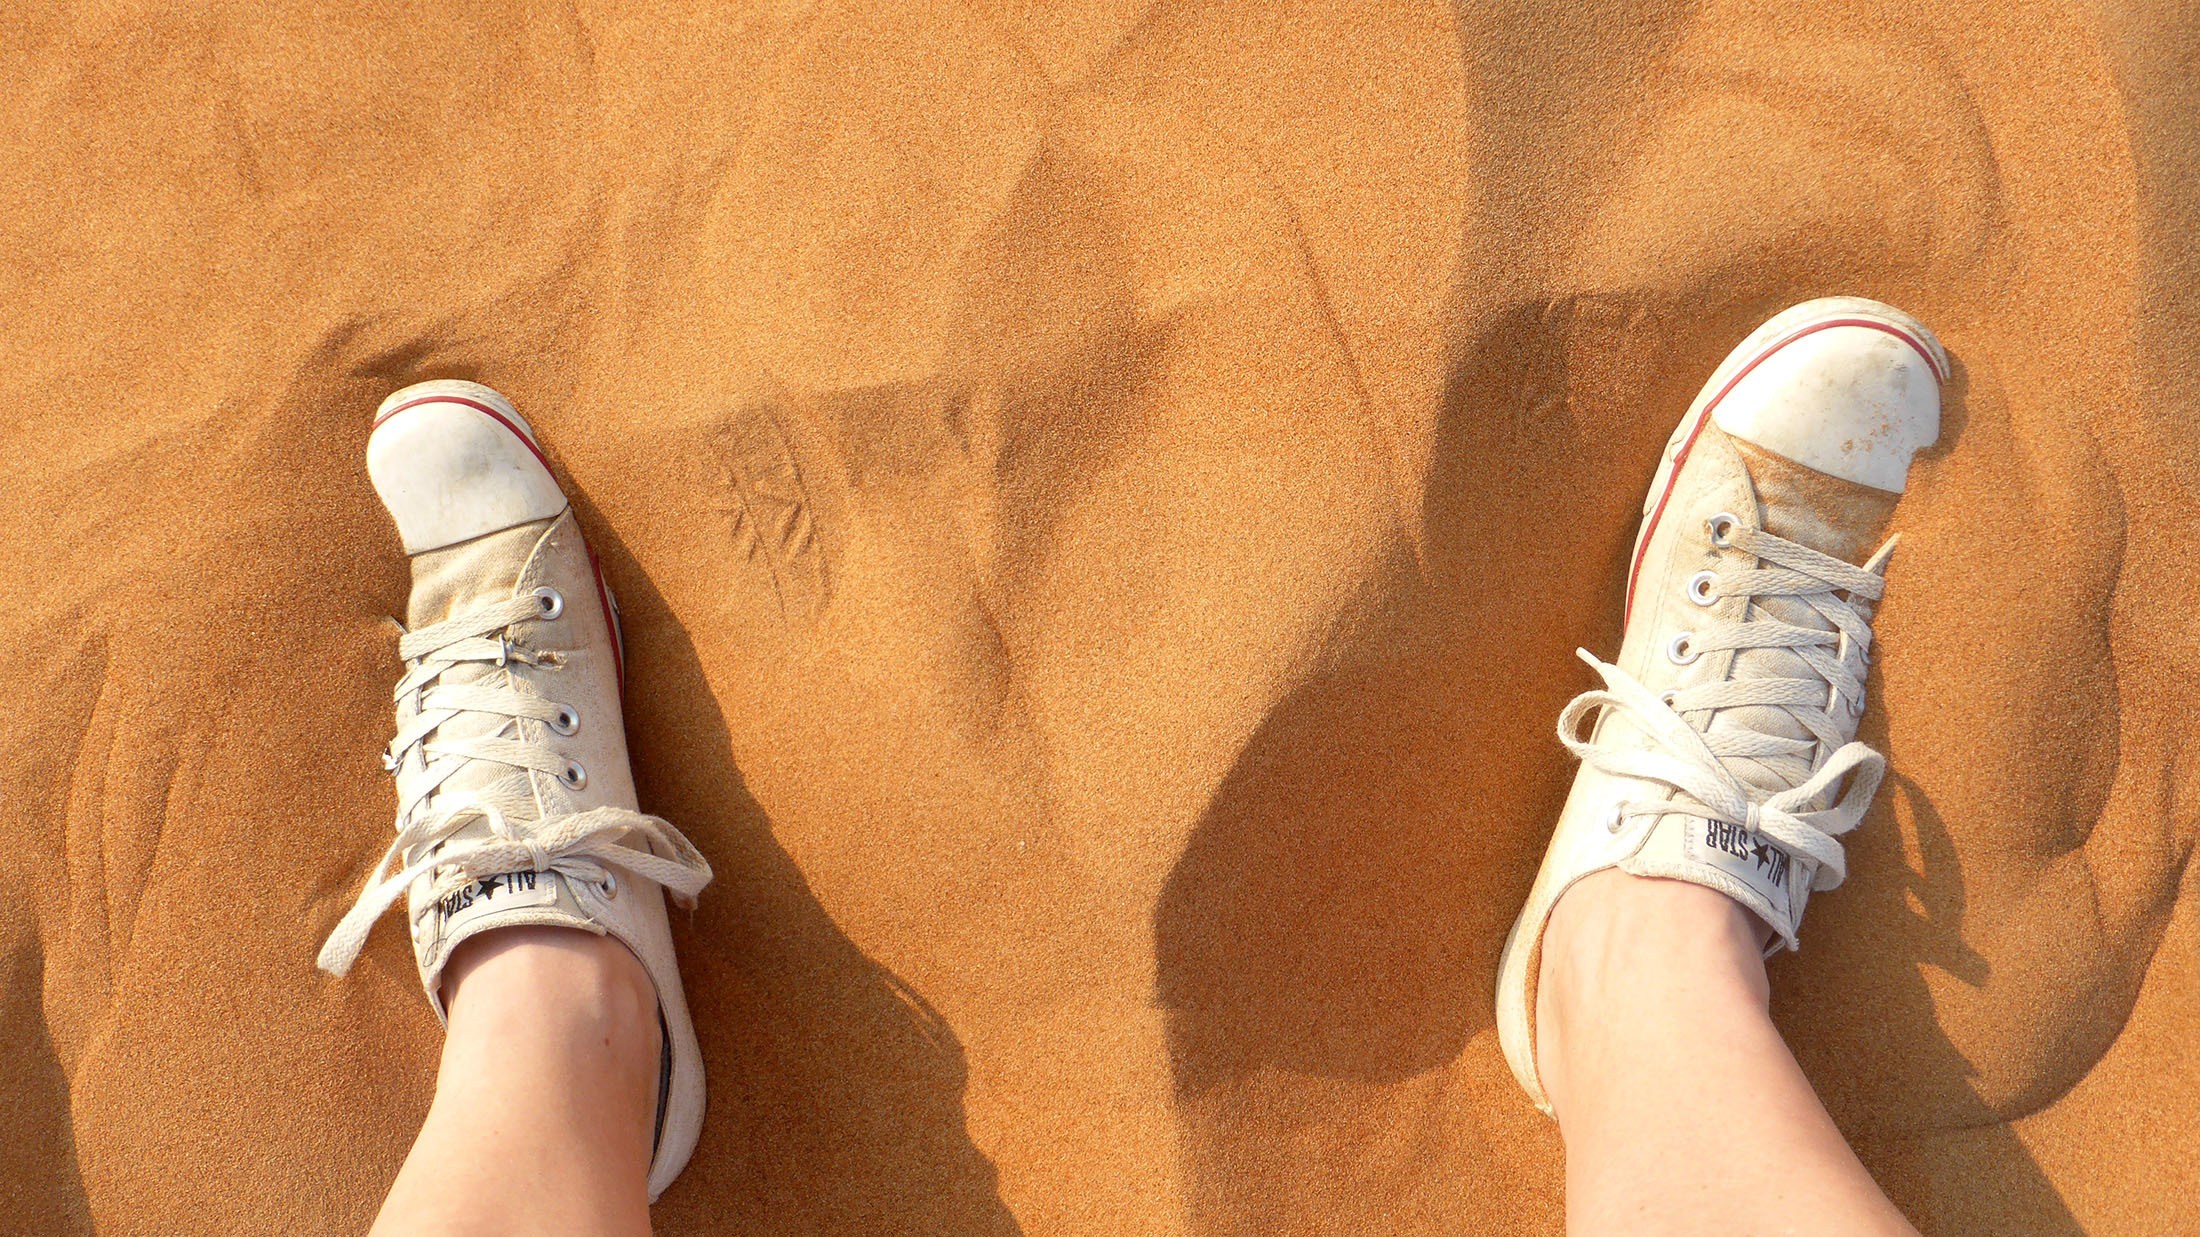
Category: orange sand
[1105,496]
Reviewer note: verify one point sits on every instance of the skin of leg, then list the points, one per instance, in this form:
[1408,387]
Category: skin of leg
[1682,1109]
[546,1099]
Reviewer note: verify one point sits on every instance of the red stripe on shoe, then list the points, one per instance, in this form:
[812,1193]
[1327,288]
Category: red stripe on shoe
[610,619]
[1680,457]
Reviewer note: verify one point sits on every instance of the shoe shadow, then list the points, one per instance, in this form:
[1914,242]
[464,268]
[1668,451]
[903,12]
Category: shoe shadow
[836,1091]
[1321,916]
[1335,910]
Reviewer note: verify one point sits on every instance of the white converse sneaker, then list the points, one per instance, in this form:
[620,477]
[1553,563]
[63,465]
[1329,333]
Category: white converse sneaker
[1723,735]
[515,804]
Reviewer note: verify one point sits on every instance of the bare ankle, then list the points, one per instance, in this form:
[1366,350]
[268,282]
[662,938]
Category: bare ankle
[550,982]
[579,963]
[1623,949]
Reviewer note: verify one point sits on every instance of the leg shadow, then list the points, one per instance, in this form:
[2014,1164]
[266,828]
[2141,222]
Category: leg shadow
[1965,1176]
[40,1191]
[1338,908]
[1327,944]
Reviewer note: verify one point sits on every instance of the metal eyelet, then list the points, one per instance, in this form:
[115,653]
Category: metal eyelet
[1722,528]
[1699,587]
[550,602]
[1667,698]
[574,776]
[566,720]
[609,886]
[1679,652]
[1614,820]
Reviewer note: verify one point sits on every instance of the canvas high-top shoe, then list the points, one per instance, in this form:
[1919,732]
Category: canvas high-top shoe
[1723,747]
[515,804]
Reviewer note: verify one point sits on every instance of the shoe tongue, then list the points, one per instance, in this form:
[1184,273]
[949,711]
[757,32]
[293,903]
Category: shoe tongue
[449,582]
[1832,516]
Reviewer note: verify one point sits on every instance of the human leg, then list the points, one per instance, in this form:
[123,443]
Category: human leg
[1682,1109]
[546,1100]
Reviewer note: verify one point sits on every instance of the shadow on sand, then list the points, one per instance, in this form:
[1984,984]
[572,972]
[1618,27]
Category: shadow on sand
[836,1092]
[1339,910]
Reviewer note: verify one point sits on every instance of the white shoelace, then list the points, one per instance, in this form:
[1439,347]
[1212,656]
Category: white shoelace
[1694,759]
[584,846]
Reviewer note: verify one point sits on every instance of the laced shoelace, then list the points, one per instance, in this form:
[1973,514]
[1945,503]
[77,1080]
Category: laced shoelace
[1701,763]
[584,846]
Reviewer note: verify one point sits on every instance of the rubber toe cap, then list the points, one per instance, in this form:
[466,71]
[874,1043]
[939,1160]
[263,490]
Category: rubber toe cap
[1853,395]
[453,461]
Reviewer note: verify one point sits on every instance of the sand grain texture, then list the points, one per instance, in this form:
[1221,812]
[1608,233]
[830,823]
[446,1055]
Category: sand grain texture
[1104,498]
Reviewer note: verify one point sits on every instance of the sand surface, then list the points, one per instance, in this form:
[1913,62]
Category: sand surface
[1104,496]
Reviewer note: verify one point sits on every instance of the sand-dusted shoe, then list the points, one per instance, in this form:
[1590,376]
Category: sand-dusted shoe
[515,803]
[1723,748]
